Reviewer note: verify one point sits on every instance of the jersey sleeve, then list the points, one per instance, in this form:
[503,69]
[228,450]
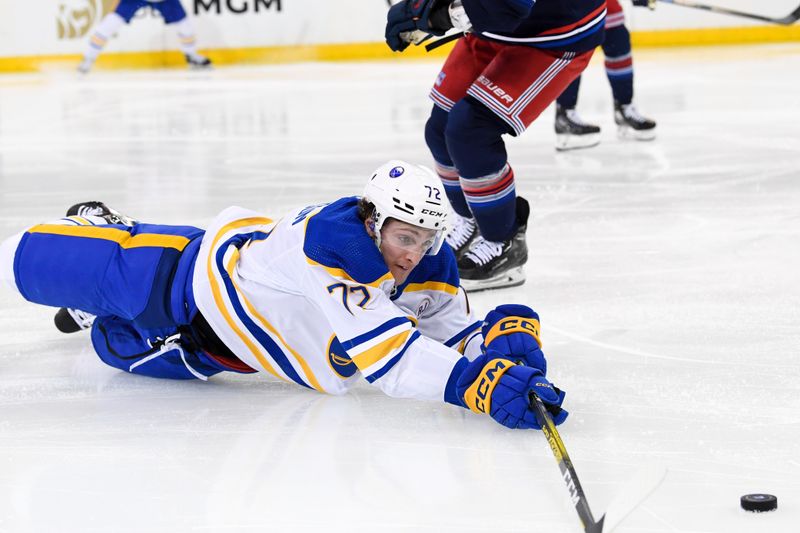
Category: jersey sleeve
[497,15]
[383,342]
[444,315]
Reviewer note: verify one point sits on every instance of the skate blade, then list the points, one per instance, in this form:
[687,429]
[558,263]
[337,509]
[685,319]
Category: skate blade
[512,278]
[626,133]
[566,142]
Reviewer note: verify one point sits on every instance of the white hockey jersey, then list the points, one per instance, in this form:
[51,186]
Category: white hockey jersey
[310,300]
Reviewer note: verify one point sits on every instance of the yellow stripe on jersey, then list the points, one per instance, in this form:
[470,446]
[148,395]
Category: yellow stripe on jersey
[371,356]
[269,327]
[342,274]
[432,286]
[121,237]
[215,291]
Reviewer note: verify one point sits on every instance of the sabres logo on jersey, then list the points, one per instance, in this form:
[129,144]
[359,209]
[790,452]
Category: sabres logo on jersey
[340,363]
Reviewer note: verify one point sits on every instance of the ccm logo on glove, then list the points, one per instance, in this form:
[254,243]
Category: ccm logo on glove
[514,324]
[479,395]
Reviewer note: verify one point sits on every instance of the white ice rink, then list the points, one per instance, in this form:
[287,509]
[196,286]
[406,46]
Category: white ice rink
[667,275]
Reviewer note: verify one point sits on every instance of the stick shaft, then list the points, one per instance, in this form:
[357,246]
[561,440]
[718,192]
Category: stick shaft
[568,473]
[788,19]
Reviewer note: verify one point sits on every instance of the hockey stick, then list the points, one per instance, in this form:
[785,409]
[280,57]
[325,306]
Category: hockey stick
[444,40]
[636,490]
[791,18]
[418,37]
[576,494]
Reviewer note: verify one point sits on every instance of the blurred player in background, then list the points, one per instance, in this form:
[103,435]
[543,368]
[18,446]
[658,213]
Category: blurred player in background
[571,131]
[517,56]
[358,288]
[174,15]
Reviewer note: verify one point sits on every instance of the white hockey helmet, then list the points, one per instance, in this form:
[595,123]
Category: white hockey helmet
[412,194]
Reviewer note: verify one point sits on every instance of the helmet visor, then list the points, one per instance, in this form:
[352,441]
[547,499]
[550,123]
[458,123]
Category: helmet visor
[407,237]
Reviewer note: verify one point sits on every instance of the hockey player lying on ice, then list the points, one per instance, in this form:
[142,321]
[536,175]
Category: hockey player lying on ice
[329,294]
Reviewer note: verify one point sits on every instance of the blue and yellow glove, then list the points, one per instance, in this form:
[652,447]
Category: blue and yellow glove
[513,330]
[496,386]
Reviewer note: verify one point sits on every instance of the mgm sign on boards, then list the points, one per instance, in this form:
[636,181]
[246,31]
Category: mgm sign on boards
[76,17]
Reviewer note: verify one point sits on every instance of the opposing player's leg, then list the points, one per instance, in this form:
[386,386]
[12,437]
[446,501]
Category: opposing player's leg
[571,131]
[619,69]
[506,98]
[104,31]
[175,16]
[466,61]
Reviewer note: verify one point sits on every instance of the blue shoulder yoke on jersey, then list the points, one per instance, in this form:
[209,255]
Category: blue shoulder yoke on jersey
[336,238]
[435,272]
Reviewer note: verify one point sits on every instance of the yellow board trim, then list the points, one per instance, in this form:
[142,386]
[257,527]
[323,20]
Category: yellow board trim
[121,237]
[379,50]
[514,324]
[432,286]
[265,323]
[369,357]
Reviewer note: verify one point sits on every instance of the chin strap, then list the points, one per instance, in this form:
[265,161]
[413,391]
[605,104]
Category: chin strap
[376,234]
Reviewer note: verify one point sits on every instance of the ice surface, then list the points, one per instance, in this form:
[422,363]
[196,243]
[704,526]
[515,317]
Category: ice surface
[666,274]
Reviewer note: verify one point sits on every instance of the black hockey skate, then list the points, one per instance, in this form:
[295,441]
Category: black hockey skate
[572,132]
[72,320]
[464,231]
[492,265]
[99,209]
[632,125]
[197,62]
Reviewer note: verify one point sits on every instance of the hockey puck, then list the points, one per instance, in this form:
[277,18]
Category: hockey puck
[759,503]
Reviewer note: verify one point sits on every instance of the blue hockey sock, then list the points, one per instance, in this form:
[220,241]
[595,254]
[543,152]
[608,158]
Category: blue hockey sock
[493,200]
[619,63]
[434,137]
[452,187]
[474,141]
[569,98]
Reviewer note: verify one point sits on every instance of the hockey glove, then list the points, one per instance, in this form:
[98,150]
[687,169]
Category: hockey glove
[513,330]
[429,16]
[494,385]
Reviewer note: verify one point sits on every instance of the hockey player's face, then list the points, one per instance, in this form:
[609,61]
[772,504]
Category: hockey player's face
[402,247]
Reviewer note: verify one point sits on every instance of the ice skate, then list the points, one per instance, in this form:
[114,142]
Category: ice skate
[464,231]
[99,209]
[73,320]
[197,62]
[632,125]
[492,265]
[85,66]
[572,132]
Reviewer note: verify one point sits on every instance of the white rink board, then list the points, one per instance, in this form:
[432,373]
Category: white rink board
[32,27]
